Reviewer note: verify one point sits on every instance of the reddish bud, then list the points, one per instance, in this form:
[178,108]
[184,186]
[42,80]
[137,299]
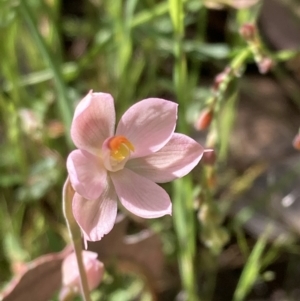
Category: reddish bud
[265,65]
[248,31]
[204,120]
[209,157]
[220,78]
[296,142]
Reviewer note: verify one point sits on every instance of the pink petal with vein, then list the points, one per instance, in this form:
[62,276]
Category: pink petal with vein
[148,125]
[140,195]
[96,217]
[93,122]
[87,175]
[176,159]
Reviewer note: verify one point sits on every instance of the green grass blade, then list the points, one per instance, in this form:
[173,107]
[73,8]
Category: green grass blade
[64,104]
[251,270]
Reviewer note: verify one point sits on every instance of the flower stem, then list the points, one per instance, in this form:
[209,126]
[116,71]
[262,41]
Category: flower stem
[75,235]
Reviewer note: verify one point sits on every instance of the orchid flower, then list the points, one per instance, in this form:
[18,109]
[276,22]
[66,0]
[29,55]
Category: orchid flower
[125,163]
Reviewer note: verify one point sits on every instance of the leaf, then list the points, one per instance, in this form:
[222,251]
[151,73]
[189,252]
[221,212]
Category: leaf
[38,281]
[141,251]
[252,269]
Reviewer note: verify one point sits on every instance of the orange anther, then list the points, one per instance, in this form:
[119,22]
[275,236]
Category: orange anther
[120,147]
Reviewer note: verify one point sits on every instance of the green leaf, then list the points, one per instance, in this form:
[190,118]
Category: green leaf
[251,271]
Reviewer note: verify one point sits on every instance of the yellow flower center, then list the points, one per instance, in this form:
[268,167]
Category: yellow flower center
[120,148]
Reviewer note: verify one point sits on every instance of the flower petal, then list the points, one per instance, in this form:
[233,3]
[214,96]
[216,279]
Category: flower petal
[141,196]
[93,267]
[96,217]
[87,175]
[93,122]
[176,159]
[148,125]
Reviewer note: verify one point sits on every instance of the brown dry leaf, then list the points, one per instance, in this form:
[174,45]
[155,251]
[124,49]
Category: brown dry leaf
[38,281]
[139,253]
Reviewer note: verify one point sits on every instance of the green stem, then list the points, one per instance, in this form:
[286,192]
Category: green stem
[63,99]
[75,235]
[146,16]
[236,69]
[184,220]
[236,64]
[184,224]
[240,59]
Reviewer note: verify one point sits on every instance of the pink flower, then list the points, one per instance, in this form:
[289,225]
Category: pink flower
[93,267]
[125,163]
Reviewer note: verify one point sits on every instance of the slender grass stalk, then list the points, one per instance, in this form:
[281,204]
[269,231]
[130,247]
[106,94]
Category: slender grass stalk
[69,71]
[195,69]
[63,99]
[146,15]
[10,104]
[179,71]
[75,235]
[252,268]
[184,223]
[184,219]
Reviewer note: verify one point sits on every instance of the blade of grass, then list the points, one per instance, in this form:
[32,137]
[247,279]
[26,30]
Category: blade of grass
[251,271]
[226,124]
[185,229]
[148,15]
[64,104]
[179,71]
[69,71]
[184,218]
